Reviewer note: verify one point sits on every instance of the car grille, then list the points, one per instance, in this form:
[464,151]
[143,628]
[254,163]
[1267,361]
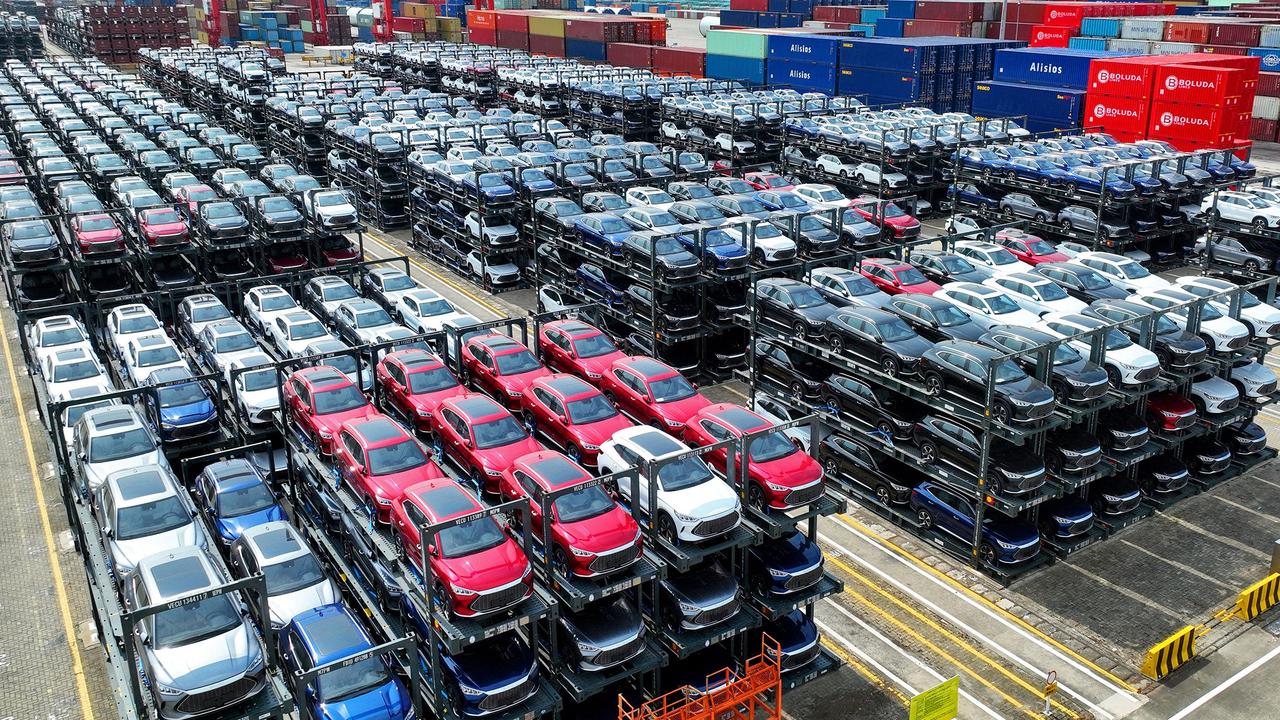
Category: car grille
[1083,461]
[1183,422]
[791,661]
[1026,553]
[911,366]
[804,495]
[613,656]
[615,560]
[1271,329]
[216,698]
[1093,391]
[802,580]
[784,255]
[716,526]
[681,323]
[506,698]
[1125,506]
[911,232]
[193,430]
[1237,343]
[1228,405]
[504,279]
[716,614]
[342,220]
[1128,441]
[1077,528]
[1035,412]
[1147,374]
[1217,464]
[499,599]
[734,263]
[1193,359]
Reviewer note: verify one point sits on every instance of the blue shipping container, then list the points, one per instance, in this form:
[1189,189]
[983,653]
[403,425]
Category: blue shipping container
[727,67]
[778,6]
[1087,43]
[905,9]
[800,7]
[790,20]
[889,27]
[740,18]
[1270,57]
[895,85]
[872,14]
[993,98]
[1100,27]
[803,76]
[1055,67]
[899,55]
[586,49]
[805,48]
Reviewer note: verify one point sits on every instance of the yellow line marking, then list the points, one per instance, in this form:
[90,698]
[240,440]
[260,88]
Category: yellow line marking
[55,565]
[1005,613]
[382,240]
[930,622]
[865,671]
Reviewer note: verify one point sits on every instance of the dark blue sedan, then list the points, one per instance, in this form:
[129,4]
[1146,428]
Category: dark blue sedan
[787,564]
[182,410]
[717,249]
[236,498]
[1066,518]
[604,231]
[1005,541]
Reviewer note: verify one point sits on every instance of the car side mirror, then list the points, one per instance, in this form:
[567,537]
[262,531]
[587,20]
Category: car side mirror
[564,420]
[109,531]
[467,442]
[433,551]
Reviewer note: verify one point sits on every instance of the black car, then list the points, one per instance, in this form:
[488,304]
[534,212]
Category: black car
[933,318]
[793,369]
[809,233]
[892,414]
[41,289]
[1174,347]
[879,335]
[1014,470]
[31,242]
[664,255]
[1245,438]
[945,267]
[221,221]
[670,311]
[849,461]
[696,212]
[793,304]
[229,265]
[1072,377]
[1114,496]
[1122,431]
[1162,475]
[107,282]
[172,273]
[966,367]
[1206,456]
[276,216]
[1071,450]
[1080,282]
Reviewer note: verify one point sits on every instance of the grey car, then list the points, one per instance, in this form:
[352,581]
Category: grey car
[843,287]
[603,635]
[1023,205]
[200,656]
[142,512]
[1078,217]
[1252,255]
[699,598]
[296,582]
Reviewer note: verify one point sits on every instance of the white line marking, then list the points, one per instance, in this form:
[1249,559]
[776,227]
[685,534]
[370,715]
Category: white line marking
[1185,712]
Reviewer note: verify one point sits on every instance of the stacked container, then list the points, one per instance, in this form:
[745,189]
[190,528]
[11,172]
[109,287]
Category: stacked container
[546,35]
[938,72]
[1048,86]
[737,55]
[680,61]
[805,63]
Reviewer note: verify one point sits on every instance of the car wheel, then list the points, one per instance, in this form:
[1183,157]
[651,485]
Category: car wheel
[1114,377]
[439,599]
[1007,211]
[1213,214]
[797,389]
[1042,218]
[755,498]
[987,554]
[560,561]
[530,423]
[574,452]
[933,383]
[1002,413]
[884,428]
[1067,226]
[928,452]
[1070,187]
[925,518]
[890,366]
[477,482]
[830,466]
[836,342]
[1260,223]
[1060,392]
[800,329]
[667,528]
[882,494]
[1251,265]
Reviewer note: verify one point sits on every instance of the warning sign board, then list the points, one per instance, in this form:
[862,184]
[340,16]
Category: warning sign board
[941,702]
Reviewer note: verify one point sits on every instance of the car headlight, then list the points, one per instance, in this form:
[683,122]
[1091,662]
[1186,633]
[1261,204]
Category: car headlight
[468,690]
[1006,546]
[259,661]
[492,473]
[777,488]
[163,689]
[459,590]
[688,609]
[779,573]
[1019,402]
[423,412]
[515,393]
[582,553]
[586,649]
[1075,381]
[593,376]
[325,435]
[674,424]
[685,518]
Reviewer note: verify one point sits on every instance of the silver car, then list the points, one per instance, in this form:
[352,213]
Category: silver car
[113,438]
[143,512]
[296,582]
[198,657]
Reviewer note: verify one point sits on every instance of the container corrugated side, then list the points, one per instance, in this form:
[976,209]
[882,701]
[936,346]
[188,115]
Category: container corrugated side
[1100,27]
[995,98]
[906,55]
[729,67]
[893,85]
[804,48]
[803,76]
[737,43]
[1057,67]
[1142,29]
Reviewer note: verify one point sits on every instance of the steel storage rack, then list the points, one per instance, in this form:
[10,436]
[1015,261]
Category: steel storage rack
[373,168]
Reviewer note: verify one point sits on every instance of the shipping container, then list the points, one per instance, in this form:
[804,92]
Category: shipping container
[894,85]
[1262,129]
[1199,85]
[1100,27]
[1269,57]
[1267,107]
[1236,34]
[742,69]
[1123,117]
[513,39]
[1059,67]
[1142,29]
[912,55]
[630,55]
[585,49]
[905,9]
[738,43]
[1269,84]
[546,25]
[804,48]
[1189,121]
[1087,43]
[1121,77]
[1186,31]
[547,45]
[752,5]
[1269,36]
[688,61]
[740,18]
[994,98]
[802,76]
[511,20]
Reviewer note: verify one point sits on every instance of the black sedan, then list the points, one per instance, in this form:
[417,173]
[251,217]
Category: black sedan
[1013,470]
[793,304]
[966,367]
[1123,431]
[945,267]
[221,221]
[1072,451]
[1072,377]
[849,461]
[933,318]
[881,336]
[892,414]
[1081,282]
[1174,347]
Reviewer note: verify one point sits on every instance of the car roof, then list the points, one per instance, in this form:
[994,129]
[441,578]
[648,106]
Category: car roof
[330,633]
[737,417]
[567,386]
[378,430]
[647,366]
[446,499]
[176,573]
[476,406]
[139,484]
[276,540]
[552,470]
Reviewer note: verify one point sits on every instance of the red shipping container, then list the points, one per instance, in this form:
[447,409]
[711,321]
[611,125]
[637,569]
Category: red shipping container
[1012,31]
[752,5]
[849,14]
[687,61]
[512,39]
[407,24]
[1238,34]
[936,28]
[632,55]
[481,20]
[1063,15]
[1199,85]
[1122,77]
[483,36]
[1123,117]
[1178,120]
[604,30]
[823,12]
[1269,84]
[1186,31]
[511,20]
[949,10]
[1261,129]
[1051,36]
[546,45]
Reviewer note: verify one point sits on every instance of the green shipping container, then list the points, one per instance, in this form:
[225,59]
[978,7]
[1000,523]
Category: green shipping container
[546,26]
[738,43]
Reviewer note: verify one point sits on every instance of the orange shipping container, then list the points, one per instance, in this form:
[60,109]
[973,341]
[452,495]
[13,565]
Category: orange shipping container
[481,20]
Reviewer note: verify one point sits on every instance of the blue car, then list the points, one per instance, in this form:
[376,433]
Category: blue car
[368,689]
[236,498]
[489,676]
[535,180]
[800,127]
[1066,518]
[983,160]
[969,194]
[797,637]
[782,200]
[180,411]
[605,231]
[1005,541]
[718,249]
[492,186]
[1040,168]
[596,282]
[1090,180]
[786,564]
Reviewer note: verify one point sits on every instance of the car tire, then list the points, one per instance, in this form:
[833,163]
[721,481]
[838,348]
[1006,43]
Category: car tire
[928,452]
[1251,265]
[560,561]
[440,599]
[830,467]
[885,428]
[667,528]
[987,554]
[800,329]
[1002,413]
[1042,218]
[1114,377]
[890,366]
[1070,187]
[836,342]
[1007,211]
[755,498]
[1260,223]
[934,384]
[797,389]
[924,518]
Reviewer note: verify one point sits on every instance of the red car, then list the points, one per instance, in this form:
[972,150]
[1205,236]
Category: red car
[97,234]
[890,215]
[482,437]
[475,567]
[501,366]
[11,173]
[1170,412]
[652,392]
[320,399]
[285,257]
[414,382]
[782,475]
[337,250]
[575,347]
[378,460]
[575,415]
[896,277]
[590,533]
[162,226]
[768,181]
[193,195]
[1030,249]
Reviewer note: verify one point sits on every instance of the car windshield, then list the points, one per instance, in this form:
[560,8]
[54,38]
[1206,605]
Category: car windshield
[667,246]
[671,389]
[1001,304]
[805,297]
[209,313]
[344,364]
[75,412]
[470,538]
[894,330]
[613,225]
[63,336]
[910,276]
[355,679]
[336,292]
[233,342]
[339,399]
[1132,270]
[717,238]
[496,433]
[161,355]
[279,301]
[684,473]
[950,316]
[594,346]
[306,329]
[515,363]
[97,224]
[374,317]
[293,575]
[151,518]
[331,199]
[1007,371]
[1092,280]
[163,216]
[590,409]
[131,443]
[220,210]
[956,264]
[390,459]
[189,623]
[771,446]
[1065,355]
[258,380]
[172,396]
[583,505]
[432,380]
[244,500]
[30,231]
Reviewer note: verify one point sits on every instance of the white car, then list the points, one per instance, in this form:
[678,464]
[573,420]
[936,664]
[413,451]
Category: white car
[835,166]
[766,243]
[1213,395]
[1221,333]
[113,438]
[822,196]
[727,143]
[345,364]
[142,511]
[59,332]
[360,320]
[1254,380]
[647,196]
[963,224]
[72,414]
[128,321]
[277,551]
[147,354]
[254,391]
[292,331]
[385,285]
[263,303]
[196,311]
[223,341]
[1270,194]
[425,311]
[1243,208]
[842,287]
[989,255]
[66,370]
[1122,271]
[1263,320]
[322,295]
[987,306]
[870,174]
[778,413]
[491,232]
[1127,363]
[1071,249]
[671,131]
[550,299]
[1036,293]
[693,502]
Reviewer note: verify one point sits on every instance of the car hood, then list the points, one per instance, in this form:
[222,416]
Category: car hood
[492,568]
[207,662]
[682,410]
[912,347]
[504,456]
[795,470]
[232,527]
[597,432]
[703,587]
[786,555]
[604,532]
[1012,531]
[387,701]
[490,670]
[98,472]
[194,412]
[793,631]
[1254,371]
[816,313]
[128,552]
[284,607]
[705,500]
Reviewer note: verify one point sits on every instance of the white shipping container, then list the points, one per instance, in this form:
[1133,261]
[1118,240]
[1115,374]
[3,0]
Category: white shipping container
[1142,29]
[1270,36]
[1172,48]
[1267,108]
[1141,47]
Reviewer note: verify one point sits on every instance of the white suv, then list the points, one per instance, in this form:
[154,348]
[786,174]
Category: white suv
[1243,208]
[113,438]
[292,331]
[986,305]
[142,511]
[1036,293]
[60,332]
[130,321]
[990,255]
[1262,319]
[1221,333]
[1127,363]
[1123,272]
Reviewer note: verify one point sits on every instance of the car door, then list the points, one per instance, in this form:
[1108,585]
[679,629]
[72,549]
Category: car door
[714,433]
[483,369]
[397,386]
[556,349]
[453,433]
[408,529]
[632,394]
[350,460]
[528,488]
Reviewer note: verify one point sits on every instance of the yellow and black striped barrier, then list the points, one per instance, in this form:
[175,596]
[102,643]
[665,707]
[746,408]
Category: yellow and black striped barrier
[1170,654]
[1258,597]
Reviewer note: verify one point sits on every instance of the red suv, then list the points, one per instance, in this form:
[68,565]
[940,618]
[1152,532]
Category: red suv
[590,533]
[575,415]
[896,277]
[501,366]
[414,382]
[162,226]
[768,181]
[193,195]
[889,215]
[378,459]
[475,567]
[575,347]
[1030,249]
[481,436]
[1170,411]
[97,234]
[320,399]
[782,475]
[652,392]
